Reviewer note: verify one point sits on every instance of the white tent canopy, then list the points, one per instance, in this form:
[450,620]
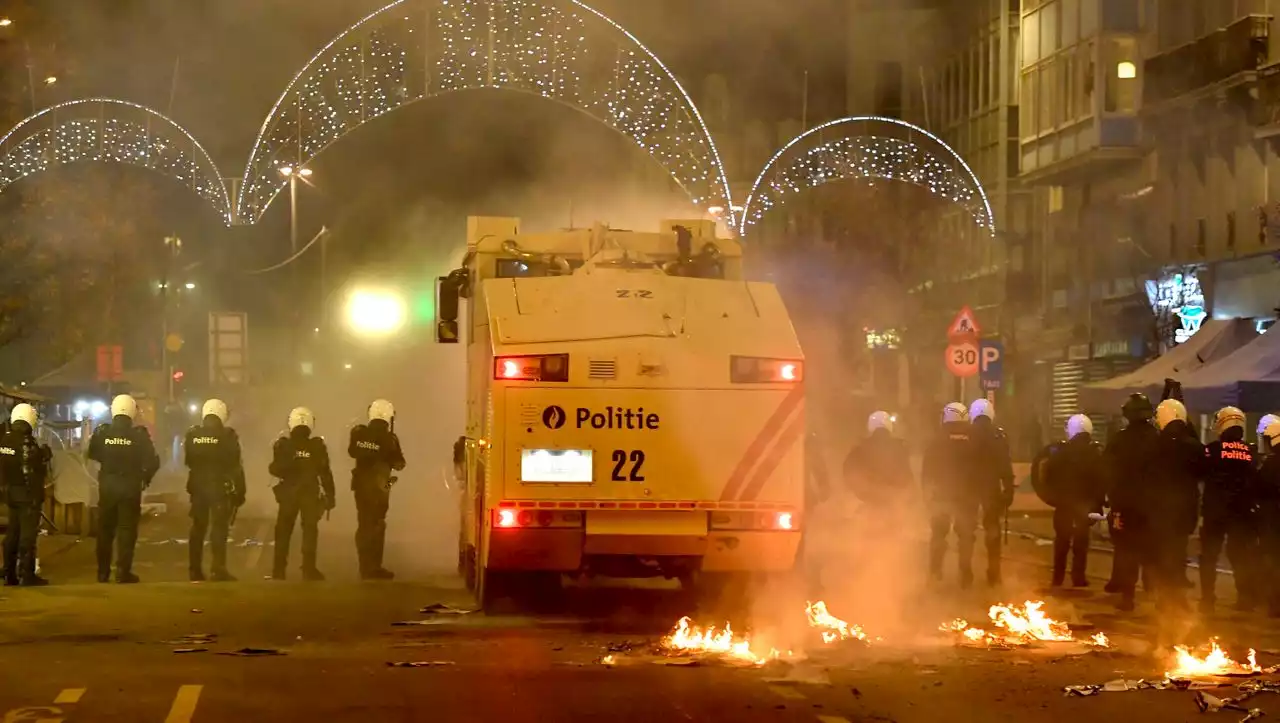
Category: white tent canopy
[1216,341]
[1249,378]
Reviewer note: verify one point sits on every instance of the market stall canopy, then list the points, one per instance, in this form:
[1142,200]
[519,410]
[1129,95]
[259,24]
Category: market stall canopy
[1248,378]
[1215,341]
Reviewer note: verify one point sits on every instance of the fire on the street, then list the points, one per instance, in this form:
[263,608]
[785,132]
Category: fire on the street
[833,629]
[688,638]
[1018,626]
[1216,662]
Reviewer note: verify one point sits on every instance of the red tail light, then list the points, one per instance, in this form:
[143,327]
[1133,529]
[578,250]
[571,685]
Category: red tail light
[755,370]
[544,368]
[506,518]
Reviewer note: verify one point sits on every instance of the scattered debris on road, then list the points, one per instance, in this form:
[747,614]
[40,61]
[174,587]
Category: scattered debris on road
[192,639]
[190,650]
[253,652]
[442,609]
[434,621]
[421,664]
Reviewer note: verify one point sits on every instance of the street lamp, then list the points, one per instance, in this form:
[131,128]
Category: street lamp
[190,285]
[5,22]
[372,312]
[50,80]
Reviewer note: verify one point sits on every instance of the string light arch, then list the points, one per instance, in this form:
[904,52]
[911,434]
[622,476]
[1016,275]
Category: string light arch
[866,147]
[412,50]
[106,130]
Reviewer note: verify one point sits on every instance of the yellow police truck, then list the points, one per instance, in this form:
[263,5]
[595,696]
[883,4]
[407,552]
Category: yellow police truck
[635,408]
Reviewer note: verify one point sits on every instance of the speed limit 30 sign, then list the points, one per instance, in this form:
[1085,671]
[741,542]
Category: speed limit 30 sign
[962,359]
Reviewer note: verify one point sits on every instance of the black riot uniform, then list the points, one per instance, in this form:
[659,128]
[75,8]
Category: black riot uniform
[376,450]
[1128,459]
[24,467]
[216,484]
[878,470]
[1075,480]
[1172,509]
[1229,514]
[1268,498]
[128,464]
[993,484]
[301,463]
[949,491]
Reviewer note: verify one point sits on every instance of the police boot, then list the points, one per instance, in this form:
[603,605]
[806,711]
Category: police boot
[10,575]
[197,575]
[29,576]
[1126,603]
[221,575]
[310,574]
[127,578]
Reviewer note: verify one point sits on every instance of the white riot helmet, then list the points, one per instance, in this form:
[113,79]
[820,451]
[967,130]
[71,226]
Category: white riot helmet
[301,417]
[1272,434]
[1265,422]
[124,406]
[217,408]
[1226,418]
[1079,424]
[24,413]
[1169,411]
[880,420]
[382,409]
[982,408]
[955,412]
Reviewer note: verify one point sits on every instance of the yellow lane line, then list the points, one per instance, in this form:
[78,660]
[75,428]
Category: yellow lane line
[70,695]
[184,704]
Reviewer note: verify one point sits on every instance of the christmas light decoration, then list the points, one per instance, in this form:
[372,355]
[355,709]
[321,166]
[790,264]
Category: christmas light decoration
[411,50]
[876,150]
[110,131]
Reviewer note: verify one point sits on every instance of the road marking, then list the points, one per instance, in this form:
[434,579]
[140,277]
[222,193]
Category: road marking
[787,692]
[70,695]
[832,719]
[184,704]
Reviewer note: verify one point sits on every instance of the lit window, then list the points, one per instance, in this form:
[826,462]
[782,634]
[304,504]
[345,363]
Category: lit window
[1126,70]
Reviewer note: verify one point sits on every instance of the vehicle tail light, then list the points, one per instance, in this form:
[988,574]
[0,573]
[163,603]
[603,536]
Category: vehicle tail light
[785,521]
[506,518]
[756,370]
[543,368]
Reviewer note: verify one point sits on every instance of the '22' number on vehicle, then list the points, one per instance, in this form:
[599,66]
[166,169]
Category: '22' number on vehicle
[634,293]
[620,459]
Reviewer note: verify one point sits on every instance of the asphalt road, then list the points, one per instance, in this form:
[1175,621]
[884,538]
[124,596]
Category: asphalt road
[80,651]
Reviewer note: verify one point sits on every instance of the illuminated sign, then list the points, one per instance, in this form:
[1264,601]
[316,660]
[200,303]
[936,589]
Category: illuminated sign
[1179,295]
[556,466]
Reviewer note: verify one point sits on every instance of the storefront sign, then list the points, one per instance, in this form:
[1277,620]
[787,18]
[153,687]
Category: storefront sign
[1179,296]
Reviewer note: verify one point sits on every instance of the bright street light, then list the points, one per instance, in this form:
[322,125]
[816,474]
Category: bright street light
[5,22]
[375,312]
[304,172]
[190,285]
[51,80]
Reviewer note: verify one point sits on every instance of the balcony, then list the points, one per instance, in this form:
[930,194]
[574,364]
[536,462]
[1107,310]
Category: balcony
[1217,62]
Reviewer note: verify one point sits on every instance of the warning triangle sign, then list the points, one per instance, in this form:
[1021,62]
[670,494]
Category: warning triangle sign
[965,325]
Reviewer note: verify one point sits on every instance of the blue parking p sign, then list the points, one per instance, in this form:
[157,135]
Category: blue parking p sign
[991,365]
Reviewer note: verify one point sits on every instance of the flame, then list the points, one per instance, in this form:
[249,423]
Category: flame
[1100,640]
[1029,622]
[1018,626]
[688,638]
[832,627]
[608,660]
[1216,662]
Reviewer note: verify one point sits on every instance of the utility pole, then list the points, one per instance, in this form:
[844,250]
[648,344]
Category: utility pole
[172,247]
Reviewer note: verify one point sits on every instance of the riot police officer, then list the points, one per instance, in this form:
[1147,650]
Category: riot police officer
[1074,482]
[301,463]
[1128,460]
[1228,512]
[878,468]
[1269,517]
[128,462]
[1172,508]
[24,467]
[216,485]
[993,480]
[376,450]
[946,480]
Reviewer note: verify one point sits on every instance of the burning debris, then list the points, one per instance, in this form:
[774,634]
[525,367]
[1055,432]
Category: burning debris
[1018,626]
[1214,663]
[833,629]
[688,639]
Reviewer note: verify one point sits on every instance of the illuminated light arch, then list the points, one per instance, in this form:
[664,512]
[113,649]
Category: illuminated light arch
[411,50]
[872,147]
[106,130]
